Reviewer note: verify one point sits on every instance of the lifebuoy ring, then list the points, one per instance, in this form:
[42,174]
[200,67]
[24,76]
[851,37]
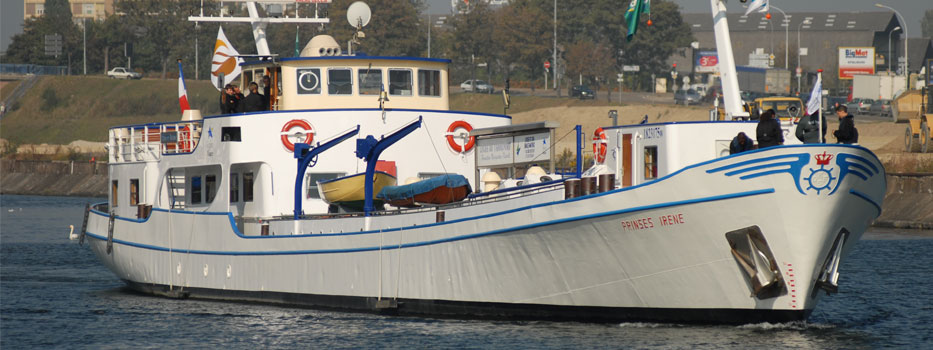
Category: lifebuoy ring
[450,136]
[308,132]
[599,145]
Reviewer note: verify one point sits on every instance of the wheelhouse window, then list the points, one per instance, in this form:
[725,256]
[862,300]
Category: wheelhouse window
[429,82]
[230,134]
[309,81]
[311,179]
[651,162]
[400,82]
[195,190]
[248,187]
[113,193]
[370,81]
[134,191]
[339,82]
[234,187]
[210,188]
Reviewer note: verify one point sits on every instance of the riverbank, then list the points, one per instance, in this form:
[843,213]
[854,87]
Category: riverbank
[908,202]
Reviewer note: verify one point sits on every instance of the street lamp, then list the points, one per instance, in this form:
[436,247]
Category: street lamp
[904,27]
[807,22]
[889,46]
[786,28]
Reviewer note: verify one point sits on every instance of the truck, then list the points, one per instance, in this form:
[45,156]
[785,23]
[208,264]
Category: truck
[877,87]
[123,73]
[772,81]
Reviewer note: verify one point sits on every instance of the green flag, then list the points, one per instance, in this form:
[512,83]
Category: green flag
[635,9]
[296,41]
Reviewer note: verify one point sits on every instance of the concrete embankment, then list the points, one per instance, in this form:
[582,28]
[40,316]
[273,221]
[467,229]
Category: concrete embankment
[53,178]
[907,204]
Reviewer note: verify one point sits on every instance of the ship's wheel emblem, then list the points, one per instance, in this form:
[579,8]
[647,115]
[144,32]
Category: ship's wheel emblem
[822,178]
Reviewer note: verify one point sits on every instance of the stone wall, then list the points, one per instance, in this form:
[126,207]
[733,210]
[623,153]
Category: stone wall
[908,202]
[53,178]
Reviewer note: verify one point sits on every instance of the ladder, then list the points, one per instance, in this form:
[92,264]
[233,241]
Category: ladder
[176,189]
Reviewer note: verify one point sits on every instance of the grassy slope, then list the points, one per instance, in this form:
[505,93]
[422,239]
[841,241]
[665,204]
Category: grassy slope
[87,106]
[62,109]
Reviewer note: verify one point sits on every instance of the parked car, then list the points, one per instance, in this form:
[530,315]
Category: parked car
[864,106]
[122,73]
[581,91]
[481,86]
[881,107]
[852,106]
[686,97]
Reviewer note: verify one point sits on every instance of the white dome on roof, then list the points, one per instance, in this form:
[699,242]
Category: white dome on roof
[321,45]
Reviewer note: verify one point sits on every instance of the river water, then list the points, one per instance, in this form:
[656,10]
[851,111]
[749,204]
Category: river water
[55,294]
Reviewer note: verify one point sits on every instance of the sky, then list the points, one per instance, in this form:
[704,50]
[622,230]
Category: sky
[11,11]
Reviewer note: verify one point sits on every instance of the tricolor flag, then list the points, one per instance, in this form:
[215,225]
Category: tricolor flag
[635,9]
[816,96]
[182,92]
[224,61]
[757,5]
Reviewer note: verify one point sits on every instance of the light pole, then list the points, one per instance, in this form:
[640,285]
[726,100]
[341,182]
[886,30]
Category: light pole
[786,29]
[799,26]
[889,46]
[554,79]
[904,27]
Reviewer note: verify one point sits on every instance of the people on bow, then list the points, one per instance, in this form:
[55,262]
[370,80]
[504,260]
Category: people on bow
[254,101]
[808,129]
[768,132]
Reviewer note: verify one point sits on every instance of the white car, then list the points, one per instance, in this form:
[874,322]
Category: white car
[122,73]
[481,86]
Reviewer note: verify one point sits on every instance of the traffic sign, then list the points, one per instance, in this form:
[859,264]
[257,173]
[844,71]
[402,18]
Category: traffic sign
[547,64]
[631,68]
[799,71]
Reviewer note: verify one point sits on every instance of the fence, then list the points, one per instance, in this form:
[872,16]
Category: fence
[53,167]
[25,69]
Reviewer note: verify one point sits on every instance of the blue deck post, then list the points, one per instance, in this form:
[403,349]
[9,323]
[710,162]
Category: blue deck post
[304,153]
[579,130]
[370,151]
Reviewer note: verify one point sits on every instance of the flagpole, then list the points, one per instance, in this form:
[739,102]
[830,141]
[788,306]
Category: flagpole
[819,121]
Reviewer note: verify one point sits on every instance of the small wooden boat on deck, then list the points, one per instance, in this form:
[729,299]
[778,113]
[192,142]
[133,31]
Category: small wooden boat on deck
[350,189]
[447,188]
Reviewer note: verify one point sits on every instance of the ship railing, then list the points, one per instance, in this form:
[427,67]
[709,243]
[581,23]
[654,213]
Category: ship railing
[149,142]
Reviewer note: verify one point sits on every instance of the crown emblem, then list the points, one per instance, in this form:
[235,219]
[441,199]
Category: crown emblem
[823,159]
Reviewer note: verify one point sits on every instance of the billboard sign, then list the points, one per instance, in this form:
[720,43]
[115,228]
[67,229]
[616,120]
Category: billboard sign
[856,60]
[706,62]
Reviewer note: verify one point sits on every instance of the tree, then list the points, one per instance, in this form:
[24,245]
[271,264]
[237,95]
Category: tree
[472,35]
[394,30]
[590,60]
[29,46]
[654,44]
[926,24]
[523,36]
[162,29]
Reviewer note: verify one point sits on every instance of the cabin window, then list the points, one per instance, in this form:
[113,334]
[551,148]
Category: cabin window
[234,187]
[230,134]
[425,176]
[134,191]
[113,193]
[370,81]
[651,162]
[210,188]
[400,82]
[311,183]
[195,190]
[309,81]
[339,82]
[247,187]
[429,82]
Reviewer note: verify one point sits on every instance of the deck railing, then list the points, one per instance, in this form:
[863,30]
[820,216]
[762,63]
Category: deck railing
[150,141]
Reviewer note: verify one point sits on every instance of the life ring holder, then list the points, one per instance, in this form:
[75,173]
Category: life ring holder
[309,134]
[600,145]
[456,147]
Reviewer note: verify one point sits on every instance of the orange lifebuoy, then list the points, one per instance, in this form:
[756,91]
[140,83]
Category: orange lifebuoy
[599,145]
[309,133]
[450,136]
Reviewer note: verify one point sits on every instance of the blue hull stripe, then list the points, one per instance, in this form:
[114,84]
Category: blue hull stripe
[445,240]
[867,199]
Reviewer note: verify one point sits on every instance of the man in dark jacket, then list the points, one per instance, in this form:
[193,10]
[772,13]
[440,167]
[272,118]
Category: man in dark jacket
[229,103]
[808,130]
[252,102]
[847,132]
[769,131]
[266,92]
[741,143]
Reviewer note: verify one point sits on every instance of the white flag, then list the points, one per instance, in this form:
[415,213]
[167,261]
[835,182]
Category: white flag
[224,61]
[757,5]
[816,96]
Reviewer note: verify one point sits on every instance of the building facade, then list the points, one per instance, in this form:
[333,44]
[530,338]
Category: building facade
[80,9]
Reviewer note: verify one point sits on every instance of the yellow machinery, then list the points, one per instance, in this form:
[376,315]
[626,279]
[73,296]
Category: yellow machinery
[910,106]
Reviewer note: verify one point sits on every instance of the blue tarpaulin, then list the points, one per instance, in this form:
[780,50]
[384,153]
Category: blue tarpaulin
[393,193]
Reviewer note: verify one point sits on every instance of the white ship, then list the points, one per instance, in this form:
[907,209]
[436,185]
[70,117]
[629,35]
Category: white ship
[666,227]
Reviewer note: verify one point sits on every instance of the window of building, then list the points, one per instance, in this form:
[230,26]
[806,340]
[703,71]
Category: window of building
[247,187]
[210,188]
[339,82]
[195,190]
[651,162]
[113,193]
[134,191]
[370,81]
[89,9]
[429,82]
[311,179]
[400,82]
[40,9]
[234,187]
[309,81]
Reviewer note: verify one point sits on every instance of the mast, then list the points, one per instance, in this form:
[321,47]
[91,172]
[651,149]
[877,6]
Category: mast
[259,23]
[727,74]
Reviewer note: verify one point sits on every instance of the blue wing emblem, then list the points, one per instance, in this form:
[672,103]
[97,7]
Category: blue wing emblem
[787,163]
[854,165]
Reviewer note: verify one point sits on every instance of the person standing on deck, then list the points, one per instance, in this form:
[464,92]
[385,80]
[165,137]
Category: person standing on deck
[769,131]
[252,102]
[847,132]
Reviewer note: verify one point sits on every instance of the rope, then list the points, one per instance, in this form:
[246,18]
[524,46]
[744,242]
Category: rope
[555,143]
[436,152]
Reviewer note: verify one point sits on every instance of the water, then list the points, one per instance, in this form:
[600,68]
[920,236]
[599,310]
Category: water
[55,294]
